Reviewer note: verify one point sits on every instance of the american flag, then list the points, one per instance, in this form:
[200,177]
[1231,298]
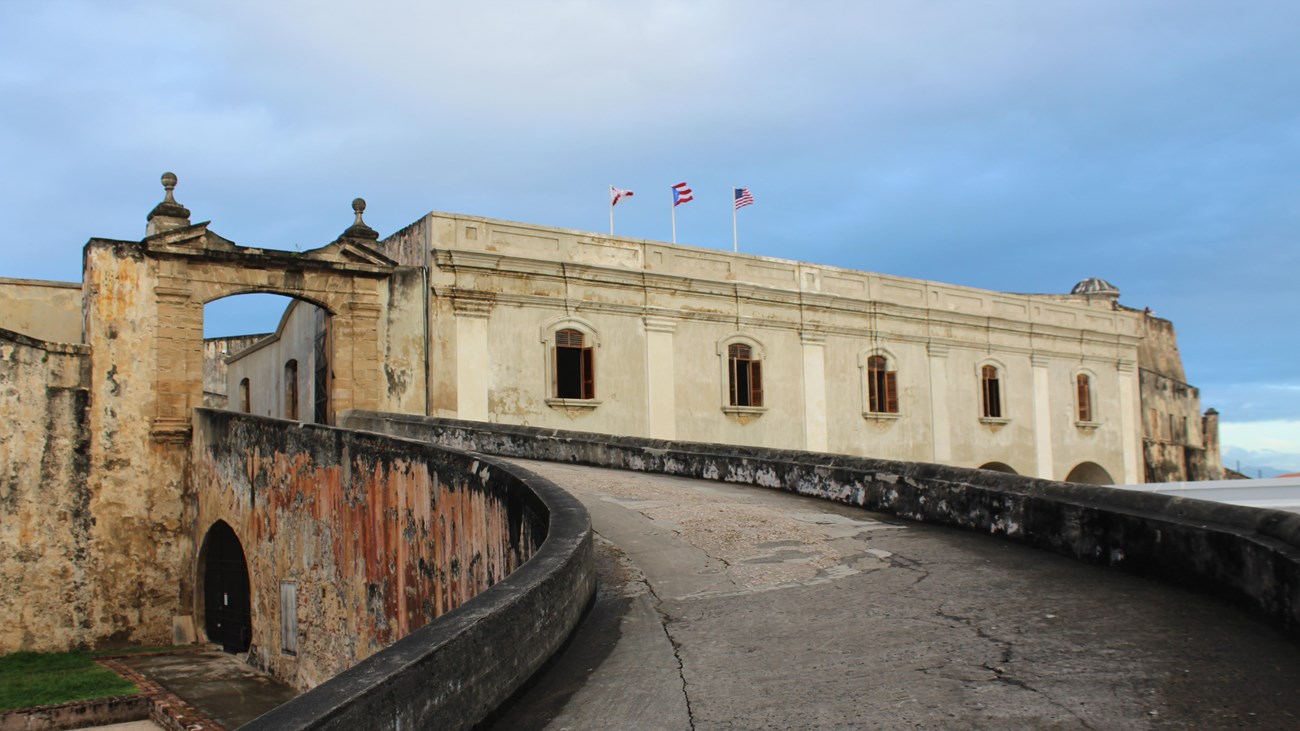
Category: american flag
[618,194]
[681,194]
[743,198]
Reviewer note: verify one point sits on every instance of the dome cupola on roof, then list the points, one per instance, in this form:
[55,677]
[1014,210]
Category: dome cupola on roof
[1096,286]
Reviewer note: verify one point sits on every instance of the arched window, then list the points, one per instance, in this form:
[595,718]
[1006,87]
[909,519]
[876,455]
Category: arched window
[575,367]
[882,386]
[1083,391]
[291,389]
[745,372]
[245,397]
[990,392]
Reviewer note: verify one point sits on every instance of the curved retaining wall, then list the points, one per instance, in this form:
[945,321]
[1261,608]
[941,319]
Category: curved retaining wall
[296,490]
[1249,555]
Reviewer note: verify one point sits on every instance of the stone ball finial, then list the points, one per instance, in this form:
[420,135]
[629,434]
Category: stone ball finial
[359,229]
[169,214]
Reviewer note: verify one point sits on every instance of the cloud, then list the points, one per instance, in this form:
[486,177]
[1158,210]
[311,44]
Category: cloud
[1013,145]
[1268,445]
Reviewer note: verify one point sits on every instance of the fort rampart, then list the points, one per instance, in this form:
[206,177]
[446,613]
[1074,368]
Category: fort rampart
[1249,555]
[379,536]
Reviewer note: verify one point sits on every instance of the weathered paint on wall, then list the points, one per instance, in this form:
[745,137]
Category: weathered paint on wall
[380,535]
[46,522]
[40,309]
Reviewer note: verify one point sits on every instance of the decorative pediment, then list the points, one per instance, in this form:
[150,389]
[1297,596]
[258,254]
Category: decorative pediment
[350,252]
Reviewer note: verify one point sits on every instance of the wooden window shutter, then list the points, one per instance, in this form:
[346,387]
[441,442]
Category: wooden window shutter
[891,392]
[1085,398]
[732,365]
[588,373]
[756,383]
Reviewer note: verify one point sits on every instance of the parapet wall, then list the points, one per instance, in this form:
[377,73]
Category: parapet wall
[380,536]
[1248,555]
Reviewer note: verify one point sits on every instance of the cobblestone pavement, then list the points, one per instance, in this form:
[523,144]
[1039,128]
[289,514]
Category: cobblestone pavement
[728,607]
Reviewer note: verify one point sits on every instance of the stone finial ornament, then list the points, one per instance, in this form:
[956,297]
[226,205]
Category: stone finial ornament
[169,214]
[359,229]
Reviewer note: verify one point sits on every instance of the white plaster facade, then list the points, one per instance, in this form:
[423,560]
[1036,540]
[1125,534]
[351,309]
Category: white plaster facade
[660,319]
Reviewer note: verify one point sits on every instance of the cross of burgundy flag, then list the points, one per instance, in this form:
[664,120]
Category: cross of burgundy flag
[618,194]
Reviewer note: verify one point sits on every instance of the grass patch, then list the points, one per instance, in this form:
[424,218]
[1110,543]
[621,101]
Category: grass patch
[39,678]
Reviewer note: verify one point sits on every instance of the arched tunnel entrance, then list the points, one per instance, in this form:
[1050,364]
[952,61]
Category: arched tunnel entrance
[999,467]
[227,612]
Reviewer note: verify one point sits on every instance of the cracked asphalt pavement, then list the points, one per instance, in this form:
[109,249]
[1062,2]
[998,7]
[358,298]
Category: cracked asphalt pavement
[730,607]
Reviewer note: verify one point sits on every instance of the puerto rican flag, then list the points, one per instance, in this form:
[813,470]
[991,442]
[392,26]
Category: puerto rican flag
[681,194]
[618,194]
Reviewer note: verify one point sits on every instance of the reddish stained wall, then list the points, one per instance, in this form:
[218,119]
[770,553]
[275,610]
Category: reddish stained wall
[380,535]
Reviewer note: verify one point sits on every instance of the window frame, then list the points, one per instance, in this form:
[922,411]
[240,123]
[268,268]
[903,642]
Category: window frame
[291,401]
[870,385]
[1085,419]
[992,406]
[588,382]
[754,375]
[245,396]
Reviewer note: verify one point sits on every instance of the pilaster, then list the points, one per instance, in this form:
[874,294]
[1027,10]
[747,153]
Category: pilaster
[661,386]
[472,376]
[814,390]
[939,402]
[1129,417]
[1042,417]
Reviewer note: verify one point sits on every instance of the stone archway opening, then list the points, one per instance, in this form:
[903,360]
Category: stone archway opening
[268,354]
[227,606]
[999,467]
[1090,473]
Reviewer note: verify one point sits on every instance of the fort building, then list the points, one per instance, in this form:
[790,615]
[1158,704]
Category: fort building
[117,485]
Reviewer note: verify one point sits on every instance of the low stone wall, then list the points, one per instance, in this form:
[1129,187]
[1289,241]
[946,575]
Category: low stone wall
[1248,555]
[381,536]
[78,714]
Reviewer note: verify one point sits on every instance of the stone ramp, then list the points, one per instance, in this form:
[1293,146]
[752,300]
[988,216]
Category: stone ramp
[730,607]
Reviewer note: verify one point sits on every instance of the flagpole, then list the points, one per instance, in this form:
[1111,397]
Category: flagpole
[674,221]
[735,239]
[611,213]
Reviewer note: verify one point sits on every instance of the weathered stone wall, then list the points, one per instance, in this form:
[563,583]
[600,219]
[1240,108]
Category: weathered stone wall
[380,535]
[1248,555]
[44,310]
[455,670]
[1175,446]
[45,517]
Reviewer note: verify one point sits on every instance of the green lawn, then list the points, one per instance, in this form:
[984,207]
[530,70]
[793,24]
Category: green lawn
[38,678]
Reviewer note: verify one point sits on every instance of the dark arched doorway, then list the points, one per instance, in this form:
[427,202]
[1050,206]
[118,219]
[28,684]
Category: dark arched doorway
[999,467]
[227,615]
[1090,473]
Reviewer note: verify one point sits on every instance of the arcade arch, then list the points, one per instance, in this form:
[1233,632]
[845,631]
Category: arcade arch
[1090,473]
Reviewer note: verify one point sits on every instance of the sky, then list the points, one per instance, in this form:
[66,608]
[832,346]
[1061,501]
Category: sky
[1013,145]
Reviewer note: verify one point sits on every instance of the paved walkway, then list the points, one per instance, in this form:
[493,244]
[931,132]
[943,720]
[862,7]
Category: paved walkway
[725,607]
[218,685]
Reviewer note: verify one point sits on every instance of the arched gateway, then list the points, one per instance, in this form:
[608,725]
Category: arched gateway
[227,612]
[143,315]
